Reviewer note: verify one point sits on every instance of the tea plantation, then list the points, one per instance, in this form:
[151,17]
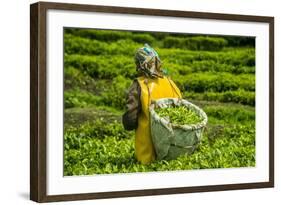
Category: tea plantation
[215,73]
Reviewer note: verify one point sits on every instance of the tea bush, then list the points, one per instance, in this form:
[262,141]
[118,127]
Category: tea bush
[100,153]
[84,46]
[234,57]
[102,67]
[238,96]
[216,82]
[79,98]
[115,95]
[240,42]
[212,66]
[195,43]
[103,35]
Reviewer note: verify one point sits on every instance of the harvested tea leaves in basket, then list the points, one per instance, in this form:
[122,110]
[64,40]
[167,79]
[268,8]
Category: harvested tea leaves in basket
[179,115]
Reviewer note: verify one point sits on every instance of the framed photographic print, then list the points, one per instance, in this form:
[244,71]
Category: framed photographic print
[134,102]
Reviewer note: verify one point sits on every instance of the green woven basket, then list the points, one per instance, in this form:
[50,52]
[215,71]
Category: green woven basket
[171,140]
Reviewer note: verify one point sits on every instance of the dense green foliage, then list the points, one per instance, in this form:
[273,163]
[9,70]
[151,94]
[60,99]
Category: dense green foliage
[179,115]
[214,72]
[102,147]
[195,43]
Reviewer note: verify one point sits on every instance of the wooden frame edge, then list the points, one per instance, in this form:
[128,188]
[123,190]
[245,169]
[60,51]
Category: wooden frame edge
[155,192]
[271,100]
[37,102]
[34,172]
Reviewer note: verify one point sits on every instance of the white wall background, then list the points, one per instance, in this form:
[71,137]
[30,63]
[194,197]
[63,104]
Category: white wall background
[14,102]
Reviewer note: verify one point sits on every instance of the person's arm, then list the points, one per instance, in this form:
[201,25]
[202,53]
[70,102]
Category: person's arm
[133,107]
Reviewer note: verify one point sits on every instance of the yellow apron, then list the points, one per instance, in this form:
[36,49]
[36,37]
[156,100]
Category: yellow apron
[151,89]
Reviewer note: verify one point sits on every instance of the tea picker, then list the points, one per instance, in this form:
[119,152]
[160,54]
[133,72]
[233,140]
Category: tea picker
[156,137]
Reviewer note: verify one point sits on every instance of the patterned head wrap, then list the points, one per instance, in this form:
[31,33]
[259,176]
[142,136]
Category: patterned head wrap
[148,62]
